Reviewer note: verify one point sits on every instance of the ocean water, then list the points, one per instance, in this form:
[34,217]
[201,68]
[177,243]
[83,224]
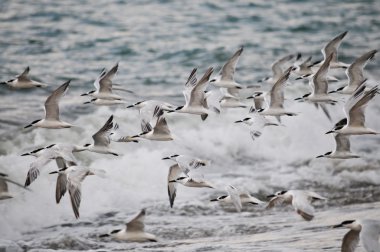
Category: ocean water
[157,43]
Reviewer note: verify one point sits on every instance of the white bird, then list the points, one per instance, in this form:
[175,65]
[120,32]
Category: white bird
[23,81]
[75,176]
[174,173]
[354,110]
[238,197]
[319,86]
[342,148]
[103,85]
[44,156]
[189,181]
[355,73]
[186,163]
[365,231]
[299,199]
[147,107]
[157,129]
[258,100]
[4,193]
[102,140]
[225,77]
[277,68]
[51,120]
[105,102]
[231,98]
[276,104]
[133,231]
[115,136]
[332,48]
[305,68]
[196,102]
[256,123]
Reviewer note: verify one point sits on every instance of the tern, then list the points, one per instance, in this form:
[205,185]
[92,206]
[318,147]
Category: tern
[355,73]
[300,200]
[231,99]
[103,85]
[354,110]
[238,197]
[196,102]
[225,77]
[256,122]
[23,81]
[44,156]
[147,107]
[365,231]
[102,139]
[258,100]
[133,231]
[159,132]
[277,68]
[105,102]
[186,163]
[305,68]
[276,104]
[51,120]
[342,148]
[4,193]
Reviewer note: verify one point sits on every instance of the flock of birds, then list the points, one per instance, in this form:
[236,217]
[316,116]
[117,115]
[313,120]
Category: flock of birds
[201,101]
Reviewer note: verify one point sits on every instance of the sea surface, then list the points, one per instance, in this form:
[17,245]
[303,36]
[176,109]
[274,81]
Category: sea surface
[157,44]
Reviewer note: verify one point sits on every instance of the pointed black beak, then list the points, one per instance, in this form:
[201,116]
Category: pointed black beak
[337,226]
[329,132]
[84,94]
[28,126]
[165,158]
[214,200]
[130,106]
[271,196]
[87,102]
[135,136]
[319,156]
[53,172]
[172,181]
[250,97]
[299,78]
[238,121]
[334,91]
[25,154]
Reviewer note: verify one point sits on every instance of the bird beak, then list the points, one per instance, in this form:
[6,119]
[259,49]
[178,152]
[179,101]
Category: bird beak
[319,156]
[172,181]
[250,97]
[25,154]
[238,121]
[297,99]
[84,94]
[334,91]
[271,196]
[53,172]
[135,136]
[214,200]
[337,226]
[27,126]
[329,132]
[165,158]
[87,102]
[130,106]
[299,78]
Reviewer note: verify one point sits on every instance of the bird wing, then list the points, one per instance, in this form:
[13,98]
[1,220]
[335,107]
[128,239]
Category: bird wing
[275,201]
[96,82]
[305,63]
[174,172]
[355,71]
[36,165]
[51,103]
[356,115]
[319,81]
[197,95]
[369,235]
[350,241]
[61,186]
[137,223]
[342,142]
[332,46]
[302,205]
[277,66]
[277,91]
[105,81]
[228,70]
[234,193]
[102,138]
[3,185]
[161,126]
[189,85]
[24,75]
[75,178]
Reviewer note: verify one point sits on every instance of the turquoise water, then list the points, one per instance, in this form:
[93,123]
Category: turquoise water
[157,44]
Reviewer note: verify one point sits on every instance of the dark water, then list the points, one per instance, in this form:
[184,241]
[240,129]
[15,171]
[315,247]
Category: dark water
[157,44]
